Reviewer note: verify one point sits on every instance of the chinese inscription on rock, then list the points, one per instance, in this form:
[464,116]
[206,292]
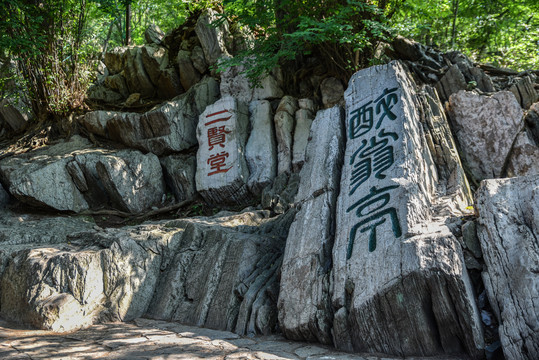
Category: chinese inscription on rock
[373,157]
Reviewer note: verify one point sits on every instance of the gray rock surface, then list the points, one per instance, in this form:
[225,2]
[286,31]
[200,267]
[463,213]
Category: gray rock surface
[114,60]
[179,172]
[238,270]
[508,230]
[72,176]
[261,148]
[390,255]
[10,115]
[212,39]
[222,171]
[524,91]
[199,62]
[524,157]
[136,76]
[189,76]
[41,178]
[170,127]
[153,34]
[133,181]
[4,197]
[304,120]
[117,83]
[453,81]
[485,128]
[236,84]
[304,297]
[332,91]
[452,180]
[102,93]
[284,128]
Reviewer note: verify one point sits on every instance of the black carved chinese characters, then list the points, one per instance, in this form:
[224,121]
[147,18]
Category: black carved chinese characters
[370,161]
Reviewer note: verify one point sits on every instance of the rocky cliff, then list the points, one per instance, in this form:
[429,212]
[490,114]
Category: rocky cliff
[358,225]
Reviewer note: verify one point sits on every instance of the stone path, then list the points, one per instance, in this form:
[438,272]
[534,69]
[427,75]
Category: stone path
[158,340]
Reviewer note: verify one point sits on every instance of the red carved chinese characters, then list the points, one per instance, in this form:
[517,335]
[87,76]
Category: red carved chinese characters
[217,163]
[217,137]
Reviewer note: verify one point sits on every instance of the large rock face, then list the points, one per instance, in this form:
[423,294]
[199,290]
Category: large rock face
[386,259]
[261,148]
[72,176]
[485,128]
[220,272]
[304,299]
[508,231]
[170,127]
[222,172]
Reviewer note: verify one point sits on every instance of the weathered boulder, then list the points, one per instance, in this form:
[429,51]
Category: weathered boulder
[60,274]
[199,62]
[284,127]
[400,285]
[222,171]
[453,81]
[485,128]
[153,35]
[179,172]
[524,157]
[87,277]
[452,180]
[170,127]
[114,60]
[4,197]
[524,91]
[10,115]
[532,122]
[189,76]
[133,181]
[305,311]
[236,84]
[304,119]
[508,230]
[261,148]
[72,176]
[332,91]
[41,178]
[117,83]
[102,93]
[136,77]
[212,39]
[155,60]
[221,278]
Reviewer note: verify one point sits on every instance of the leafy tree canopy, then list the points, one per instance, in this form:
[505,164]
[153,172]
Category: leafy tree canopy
[47,46]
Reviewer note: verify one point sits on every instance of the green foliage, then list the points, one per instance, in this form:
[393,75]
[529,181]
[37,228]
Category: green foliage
[502,32]
[342,32]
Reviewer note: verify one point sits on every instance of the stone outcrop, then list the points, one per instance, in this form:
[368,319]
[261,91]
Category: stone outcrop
[385,259]
[179,172]
[284,132]
[222,171]
[304,120]
[304,300]
[170,127]
[485,128]
[212,39]
[261,148]
[508,231]
[73,177]
[63,274]
[11,116]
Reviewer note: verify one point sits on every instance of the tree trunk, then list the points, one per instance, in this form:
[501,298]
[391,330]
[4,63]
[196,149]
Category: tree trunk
[454,27]
[128,22]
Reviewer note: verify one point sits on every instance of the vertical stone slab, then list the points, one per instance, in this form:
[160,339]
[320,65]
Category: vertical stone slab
[261,152]
[284,130]
[509,232]
[304,299]
[304,120]
[400,284]
[222,172]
